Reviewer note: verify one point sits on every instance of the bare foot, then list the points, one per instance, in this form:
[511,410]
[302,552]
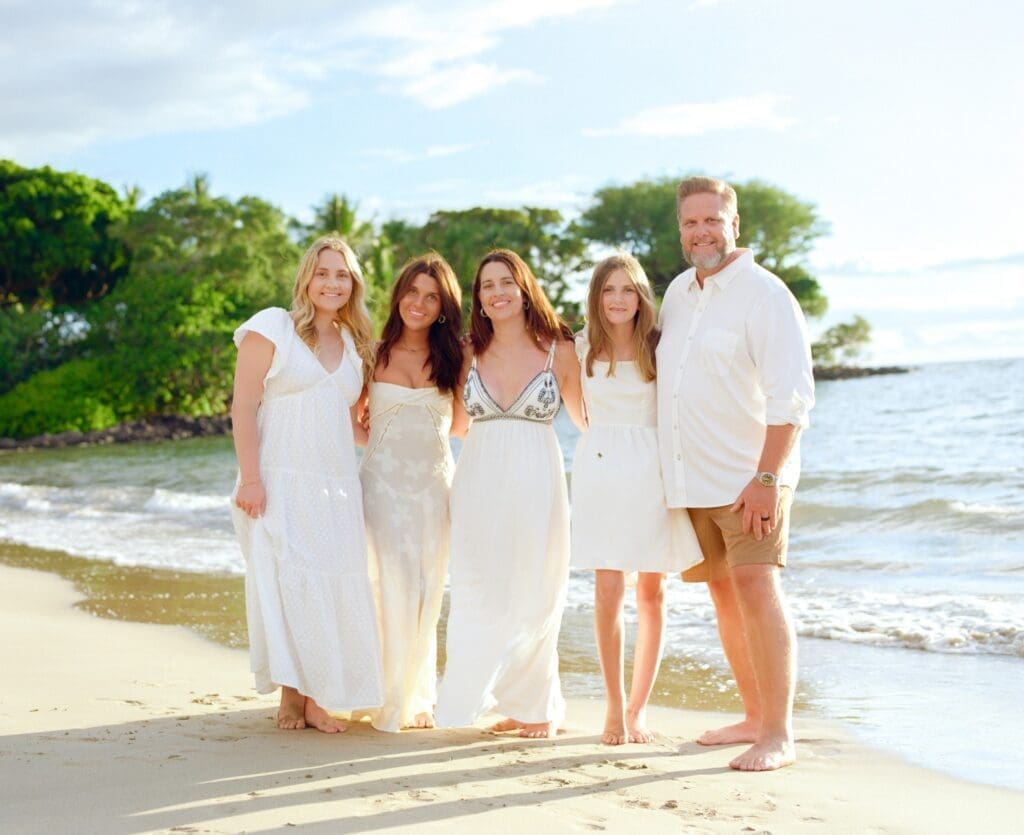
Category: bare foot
[537,730]
[745,731]
[614,727]
[320,719]
[769,755]
[636,726]
[505,725]
[422,720]
[290,715]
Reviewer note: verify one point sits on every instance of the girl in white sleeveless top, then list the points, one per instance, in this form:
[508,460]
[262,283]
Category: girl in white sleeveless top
[620,523]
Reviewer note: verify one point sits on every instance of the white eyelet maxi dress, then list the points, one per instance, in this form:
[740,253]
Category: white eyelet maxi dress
[308,600]
[619,517]
[407,474]
[509,559]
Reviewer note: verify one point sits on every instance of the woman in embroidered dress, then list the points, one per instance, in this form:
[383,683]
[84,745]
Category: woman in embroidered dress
[620,523]
[298,506]
[510,516]
[406,473]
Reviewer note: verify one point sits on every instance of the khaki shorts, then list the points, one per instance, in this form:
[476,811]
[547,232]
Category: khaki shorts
[720,533]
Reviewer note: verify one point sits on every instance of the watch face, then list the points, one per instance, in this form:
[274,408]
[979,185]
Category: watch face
[767,479]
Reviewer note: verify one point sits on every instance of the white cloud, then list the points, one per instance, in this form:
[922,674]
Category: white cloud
[399,156]
[697,118]
[452,85]
[432,55]
[74,73]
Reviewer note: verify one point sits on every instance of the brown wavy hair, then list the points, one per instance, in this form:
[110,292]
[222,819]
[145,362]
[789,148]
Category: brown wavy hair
[645,321]
[445,356]
[353,316]
[542,323]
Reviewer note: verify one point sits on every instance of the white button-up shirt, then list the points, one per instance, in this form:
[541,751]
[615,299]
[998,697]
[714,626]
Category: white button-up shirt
[734,358]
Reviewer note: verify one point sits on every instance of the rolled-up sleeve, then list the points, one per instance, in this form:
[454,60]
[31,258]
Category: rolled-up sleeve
[781,350]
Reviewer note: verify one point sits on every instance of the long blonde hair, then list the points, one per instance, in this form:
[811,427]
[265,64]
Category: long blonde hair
[645,321]
[353,316]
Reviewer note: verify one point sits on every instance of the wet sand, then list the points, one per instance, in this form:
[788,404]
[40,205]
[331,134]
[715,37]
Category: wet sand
[129,727]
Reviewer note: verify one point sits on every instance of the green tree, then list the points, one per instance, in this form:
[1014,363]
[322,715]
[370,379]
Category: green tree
[842,343]
[201,265]
[641,218]
[56,246]
[35,340]
[779,228]
[553,249]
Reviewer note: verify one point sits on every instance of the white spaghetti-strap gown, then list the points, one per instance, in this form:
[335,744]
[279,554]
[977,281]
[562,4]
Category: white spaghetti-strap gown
[308,600]
[509,559]
[619,517]
[406,473]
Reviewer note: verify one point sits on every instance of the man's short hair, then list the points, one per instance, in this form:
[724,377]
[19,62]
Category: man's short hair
[707,185]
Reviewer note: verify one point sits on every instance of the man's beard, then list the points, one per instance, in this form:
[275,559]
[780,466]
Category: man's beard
[710,262]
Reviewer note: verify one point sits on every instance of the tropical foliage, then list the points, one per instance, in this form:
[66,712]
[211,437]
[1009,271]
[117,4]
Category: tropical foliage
[112,309]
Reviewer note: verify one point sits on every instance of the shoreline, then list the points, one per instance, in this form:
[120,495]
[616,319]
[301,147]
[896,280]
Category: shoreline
[179,427]
[149,727]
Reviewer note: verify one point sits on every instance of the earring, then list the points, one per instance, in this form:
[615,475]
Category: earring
[484,313]
[526,305]
[441,319]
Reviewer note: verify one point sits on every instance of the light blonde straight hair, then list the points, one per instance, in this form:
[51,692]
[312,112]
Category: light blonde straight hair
[353,316]
[645,321]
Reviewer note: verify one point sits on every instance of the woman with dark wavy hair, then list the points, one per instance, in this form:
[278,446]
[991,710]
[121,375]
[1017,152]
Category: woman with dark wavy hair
[510,513]
[406,474]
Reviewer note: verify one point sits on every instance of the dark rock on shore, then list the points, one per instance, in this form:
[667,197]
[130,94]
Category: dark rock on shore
[161,428]
[848,372]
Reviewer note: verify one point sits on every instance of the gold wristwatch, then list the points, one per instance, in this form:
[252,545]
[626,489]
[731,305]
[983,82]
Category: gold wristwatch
[766,479]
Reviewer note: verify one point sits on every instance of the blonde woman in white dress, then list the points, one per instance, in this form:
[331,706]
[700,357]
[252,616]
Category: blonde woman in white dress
[406,473]
[620,523]
[298,506]
[510,512]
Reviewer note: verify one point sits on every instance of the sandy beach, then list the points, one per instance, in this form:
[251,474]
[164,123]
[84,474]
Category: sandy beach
[112,727]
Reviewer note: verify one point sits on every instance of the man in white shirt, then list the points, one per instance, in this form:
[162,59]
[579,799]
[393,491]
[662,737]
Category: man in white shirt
[734,389]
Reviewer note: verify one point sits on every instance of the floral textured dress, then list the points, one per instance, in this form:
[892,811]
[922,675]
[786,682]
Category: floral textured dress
[308,599]
[509,559]
[406,474]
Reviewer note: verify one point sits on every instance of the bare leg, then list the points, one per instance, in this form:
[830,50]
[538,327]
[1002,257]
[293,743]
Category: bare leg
[650,604]
[609,592]
[771,639]
[737,653]
[290,715]
[317,717]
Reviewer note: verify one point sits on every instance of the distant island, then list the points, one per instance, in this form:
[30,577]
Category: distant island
[849,372]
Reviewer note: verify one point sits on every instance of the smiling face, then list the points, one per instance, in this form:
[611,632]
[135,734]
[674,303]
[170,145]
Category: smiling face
[619,298]
[707,230]
[501,297]
[421,304]
[330,288]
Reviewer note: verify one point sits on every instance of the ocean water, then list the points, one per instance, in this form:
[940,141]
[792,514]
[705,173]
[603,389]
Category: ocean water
[906,573]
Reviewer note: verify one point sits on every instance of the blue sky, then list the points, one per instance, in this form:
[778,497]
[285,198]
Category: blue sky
[900,120]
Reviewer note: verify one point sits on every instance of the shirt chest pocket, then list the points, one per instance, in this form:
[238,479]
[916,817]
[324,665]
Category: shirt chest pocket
[718,350]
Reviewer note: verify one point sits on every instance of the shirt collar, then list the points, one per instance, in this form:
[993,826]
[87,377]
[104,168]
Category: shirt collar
[725,276]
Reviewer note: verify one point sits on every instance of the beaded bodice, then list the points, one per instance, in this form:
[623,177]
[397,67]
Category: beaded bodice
[538,401]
